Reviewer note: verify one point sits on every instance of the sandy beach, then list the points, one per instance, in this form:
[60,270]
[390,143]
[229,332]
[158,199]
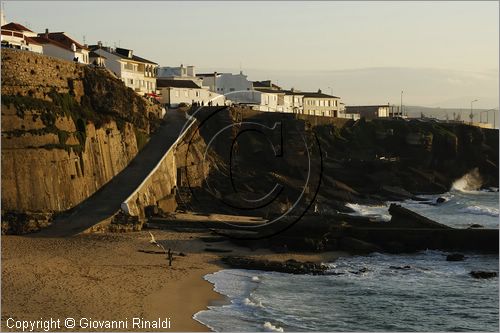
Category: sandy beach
[105,277]
[113,277]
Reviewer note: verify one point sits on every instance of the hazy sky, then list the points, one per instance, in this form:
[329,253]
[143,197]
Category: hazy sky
[439,53]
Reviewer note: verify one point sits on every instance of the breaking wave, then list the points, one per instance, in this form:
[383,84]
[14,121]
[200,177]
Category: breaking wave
[469,182]
[268,327]
[478,210]
[247,301]
[377,212]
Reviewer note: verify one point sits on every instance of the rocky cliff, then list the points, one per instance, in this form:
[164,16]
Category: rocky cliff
[67,129]
[364,162]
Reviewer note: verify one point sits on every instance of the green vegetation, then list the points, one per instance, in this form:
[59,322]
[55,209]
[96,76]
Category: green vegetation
[141,138]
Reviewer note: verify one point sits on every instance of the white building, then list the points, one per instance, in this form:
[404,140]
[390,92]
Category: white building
[182,71]
[97,59]
[60,45]
[179,73]
[136,72]
[293,101]
[371,111]
[225,83]
[174,92]
[257,100]
[15,35]
[320,104]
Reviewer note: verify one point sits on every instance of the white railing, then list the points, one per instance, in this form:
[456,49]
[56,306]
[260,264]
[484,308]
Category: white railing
[125,204]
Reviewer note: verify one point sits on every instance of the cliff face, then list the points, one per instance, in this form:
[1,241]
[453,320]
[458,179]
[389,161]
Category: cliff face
[67,129]
[365,162]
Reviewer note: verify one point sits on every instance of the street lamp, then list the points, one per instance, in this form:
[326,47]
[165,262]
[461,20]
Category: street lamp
[331,90]
[471,114]
[401,106]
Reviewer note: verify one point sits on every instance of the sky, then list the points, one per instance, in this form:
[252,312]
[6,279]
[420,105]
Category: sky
[441,54]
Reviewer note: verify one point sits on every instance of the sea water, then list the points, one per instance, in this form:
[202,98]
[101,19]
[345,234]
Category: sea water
[377,292]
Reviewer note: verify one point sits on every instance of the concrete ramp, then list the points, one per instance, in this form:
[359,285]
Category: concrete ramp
[103,204]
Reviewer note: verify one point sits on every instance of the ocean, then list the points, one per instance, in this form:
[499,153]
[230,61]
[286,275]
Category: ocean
[376,292]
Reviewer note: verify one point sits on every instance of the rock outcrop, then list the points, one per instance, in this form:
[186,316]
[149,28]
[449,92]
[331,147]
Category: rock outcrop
[290,266]
[67,129]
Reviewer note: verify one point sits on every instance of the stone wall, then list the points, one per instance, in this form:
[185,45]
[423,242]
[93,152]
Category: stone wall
[56,153]
[31,74]
[184,159]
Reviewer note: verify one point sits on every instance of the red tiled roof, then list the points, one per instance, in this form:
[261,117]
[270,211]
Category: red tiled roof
[32,40]
[43,40]
[62,39]
[15,27]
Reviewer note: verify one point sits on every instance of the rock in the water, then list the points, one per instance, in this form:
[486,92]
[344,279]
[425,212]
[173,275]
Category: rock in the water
[475,225]
[440,200]
[455,257]
[400,267]
[360,271]
[290,266]
[483,274]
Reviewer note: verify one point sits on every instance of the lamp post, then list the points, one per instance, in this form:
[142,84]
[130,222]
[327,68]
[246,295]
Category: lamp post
[471,116]
[331,90]
[401,105]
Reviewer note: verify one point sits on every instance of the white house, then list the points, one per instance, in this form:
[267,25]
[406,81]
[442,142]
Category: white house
[97,59]
[320,104]
[17,36]
[136,72]
[60,45]
[182,71]
[174,92]
[371,111]
[293,101]
[257,100]
[179,73]
[225,83]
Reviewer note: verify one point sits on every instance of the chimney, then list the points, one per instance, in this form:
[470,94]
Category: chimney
[46,33]
[292,89]
[99,43]
[319,91]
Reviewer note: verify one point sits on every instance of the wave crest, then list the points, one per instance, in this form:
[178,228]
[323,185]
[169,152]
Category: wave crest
[479,210]
[268,327]
[471,181]
[247,301]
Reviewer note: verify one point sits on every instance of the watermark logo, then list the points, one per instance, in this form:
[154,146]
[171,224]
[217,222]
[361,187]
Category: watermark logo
[262,164]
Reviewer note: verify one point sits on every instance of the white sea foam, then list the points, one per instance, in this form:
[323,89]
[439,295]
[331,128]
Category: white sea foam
[469,182]
[268,327]
[479,210]
[255,279]
[247,301]
[380,212]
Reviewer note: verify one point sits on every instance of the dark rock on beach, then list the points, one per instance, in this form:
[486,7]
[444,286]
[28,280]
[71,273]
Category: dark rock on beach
[290,266]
